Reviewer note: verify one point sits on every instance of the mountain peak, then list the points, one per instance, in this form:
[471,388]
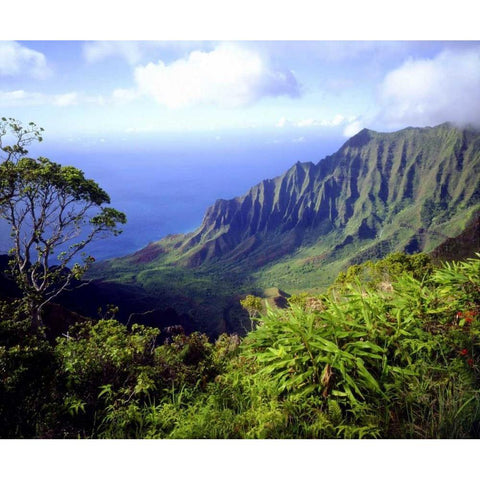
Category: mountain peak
[360,139]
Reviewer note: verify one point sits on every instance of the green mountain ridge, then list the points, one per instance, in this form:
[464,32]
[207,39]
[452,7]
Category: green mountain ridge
[408,190]
[418,180]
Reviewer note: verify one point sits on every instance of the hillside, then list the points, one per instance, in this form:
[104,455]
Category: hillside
[372,362]
[408,191]
[462,246]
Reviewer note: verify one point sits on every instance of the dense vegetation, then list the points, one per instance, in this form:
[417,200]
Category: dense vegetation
[392,351]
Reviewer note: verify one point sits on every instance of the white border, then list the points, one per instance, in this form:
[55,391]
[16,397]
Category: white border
[239,20]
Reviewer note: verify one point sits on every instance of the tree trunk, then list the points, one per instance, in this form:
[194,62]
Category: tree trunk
[37,317]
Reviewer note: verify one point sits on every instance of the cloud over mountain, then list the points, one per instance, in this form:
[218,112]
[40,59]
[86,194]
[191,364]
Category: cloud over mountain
[432,91]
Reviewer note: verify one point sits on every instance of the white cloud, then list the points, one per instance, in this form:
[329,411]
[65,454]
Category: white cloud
[136,52]
[22,98]
[124,95]
[352,128]
[228,76]
[431,91]
[308,122]
[15,59]
[336,121]
[97,51]
[65,99]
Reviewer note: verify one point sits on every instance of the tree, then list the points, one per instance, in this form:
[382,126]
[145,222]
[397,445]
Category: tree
[54,212]
[23,136]
[11,129]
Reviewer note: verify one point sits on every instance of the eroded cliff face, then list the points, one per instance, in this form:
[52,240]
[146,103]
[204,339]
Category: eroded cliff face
[414,180]
[408,191]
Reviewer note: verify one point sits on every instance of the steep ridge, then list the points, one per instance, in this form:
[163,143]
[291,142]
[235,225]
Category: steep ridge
[407,190]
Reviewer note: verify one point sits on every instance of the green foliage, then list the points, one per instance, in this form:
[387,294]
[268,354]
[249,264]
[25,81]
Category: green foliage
[104,368]
[119,381]
[22,136]
[366,362]
[459,280]
[253,305]
[28,387]
[382,273]
[402,363]
[299,299]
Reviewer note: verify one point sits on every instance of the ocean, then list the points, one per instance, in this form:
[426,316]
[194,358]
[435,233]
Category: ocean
[165,184]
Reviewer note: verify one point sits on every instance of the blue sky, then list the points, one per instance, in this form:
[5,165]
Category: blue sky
[103,91]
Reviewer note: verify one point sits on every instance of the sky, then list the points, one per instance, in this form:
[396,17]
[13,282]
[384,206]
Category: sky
[94,92]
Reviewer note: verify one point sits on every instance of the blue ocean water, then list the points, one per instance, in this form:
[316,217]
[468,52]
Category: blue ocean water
[165,185]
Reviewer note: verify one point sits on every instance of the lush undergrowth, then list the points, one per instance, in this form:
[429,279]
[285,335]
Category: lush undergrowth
[392,351]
